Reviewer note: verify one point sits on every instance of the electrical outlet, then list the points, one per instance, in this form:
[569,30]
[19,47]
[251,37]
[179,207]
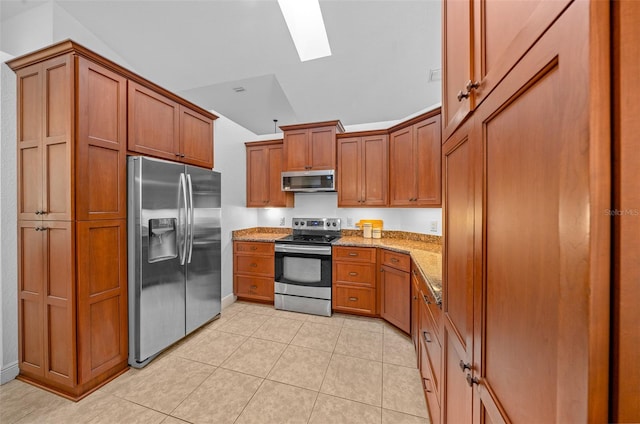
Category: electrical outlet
[349,222]
[282,221]
[434,226]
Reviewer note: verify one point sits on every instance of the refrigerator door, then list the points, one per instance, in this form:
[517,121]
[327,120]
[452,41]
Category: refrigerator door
[203,292]
[157,244]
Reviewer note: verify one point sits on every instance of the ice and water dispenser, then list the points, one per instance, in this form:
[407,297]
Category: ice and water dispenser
[162,239]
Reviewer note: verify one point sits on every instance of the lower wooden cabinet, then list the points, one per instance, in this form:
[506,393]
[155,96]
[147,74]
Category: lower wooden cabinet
[354,280]
[395,289]
[72,308]
[253,270]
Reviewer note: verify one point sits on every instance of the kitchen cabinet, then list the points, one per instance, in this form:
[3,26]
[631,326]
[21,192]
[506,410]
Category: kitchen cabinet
[395,289]
[253,270]
[310,147]
[72,288]
[264,168]
[414,162]
[526,300]
[162,127]
[354,280]
[430,358]
[481,42]
[363,166]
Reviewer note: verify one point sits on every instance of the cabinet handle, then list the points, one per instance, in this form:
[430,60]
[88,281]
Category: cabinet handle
[426,299]
[463,95]
[353,299]
[178,154]
[471,85]
[472,380]
[415,297]
[427,336]
[394,260]
[182,155]
[253,287]
[353,254]
[254,248]
[254,265]
[353,274]
[464,365]
[424,385]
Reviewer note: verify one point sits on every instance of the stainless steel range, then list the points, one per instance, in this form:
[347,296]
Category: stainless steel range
[303,266]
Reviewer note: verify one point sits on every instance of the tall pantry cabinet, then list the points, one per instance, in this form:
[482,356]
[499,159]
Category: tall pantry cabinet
[72,290]
[526,170]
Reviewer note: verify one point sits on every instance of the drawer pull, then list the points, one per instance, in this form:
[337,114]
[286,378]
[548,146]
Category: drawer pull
[353,254]
[472,380]
[426,299]
[254,265]
[426,385]
[353,299]
[427,336]
[253,287]
[254,248]
[394,260]
[464,365]
[353,274]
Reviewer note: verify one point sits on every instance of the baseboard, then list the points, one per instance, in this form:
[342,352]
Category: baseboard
[228,301]
[9,372]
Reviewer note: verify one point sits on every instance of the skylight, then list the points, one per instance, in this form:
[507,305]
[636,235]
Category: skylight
[306,27]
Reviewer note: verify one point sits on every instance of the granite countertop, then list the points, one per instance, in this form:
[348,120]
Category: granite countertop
[427,255]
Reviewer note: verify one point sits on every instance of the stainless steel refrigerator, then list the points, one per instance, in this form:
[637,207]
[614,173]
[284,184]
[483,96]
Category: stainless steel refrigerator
[174,253]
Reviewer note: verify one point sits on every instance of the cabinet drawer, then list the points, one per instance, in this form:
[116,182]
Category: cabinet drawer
[255,265]
[396,260]
[355,273]
[257,248]
[254,287]
[354,299]
[432,345]
[434,310]
[355,254]
[430,391]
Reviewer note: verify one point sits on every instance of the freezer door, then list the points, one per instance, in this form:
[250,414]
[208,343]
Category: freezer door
[157,244]
[203,293]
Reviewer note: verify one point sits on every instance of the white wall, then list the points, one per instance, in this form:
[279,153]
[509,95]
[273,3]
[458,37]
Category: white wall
[8,219]
[417,220]
[229,159]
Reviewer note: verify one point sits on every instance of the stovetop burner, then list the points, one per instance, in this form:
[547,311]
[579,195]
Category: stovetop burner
[313,231]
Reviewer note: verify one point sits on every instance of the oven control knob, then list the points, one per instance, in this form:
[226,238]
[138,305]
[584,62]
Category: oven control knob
[334,224]
[302,223]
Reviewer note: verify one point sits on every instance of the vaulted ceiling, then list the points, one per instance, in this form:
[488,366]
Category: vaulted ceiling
[237,57]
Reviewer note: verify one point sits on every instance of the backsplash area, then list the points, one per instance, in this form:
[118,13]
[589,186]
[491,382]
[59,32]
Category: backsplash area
[416,220]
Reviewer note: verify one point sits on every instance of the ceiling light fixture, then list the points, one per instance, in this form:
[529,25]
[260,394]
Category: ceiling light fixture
[304,20]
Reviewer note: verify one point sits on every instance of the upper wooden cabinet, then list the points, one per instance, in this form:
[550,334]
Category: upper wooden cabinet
[482,41]
[414,162]
[264,168]
[310,147]
[363,177]
[164,128]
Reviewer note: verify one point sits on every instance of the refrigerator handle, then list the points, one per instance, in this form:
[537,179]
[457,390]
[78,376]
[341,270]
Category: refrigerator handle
[183,188]
[190,222]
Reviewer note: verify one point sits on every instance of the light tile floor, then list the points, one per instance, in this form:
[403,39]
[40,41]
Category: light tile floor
[253,365]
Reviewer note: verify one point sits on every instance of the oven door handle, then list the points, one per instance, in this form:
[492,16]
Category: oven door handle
[309,250]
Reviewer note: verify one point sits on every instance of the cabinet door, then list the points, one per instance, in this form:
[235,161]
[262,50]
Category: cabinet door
[153,123]
[277,197]
[296,150]
[257,177]
[102,297]
[101,165]
[45,138]
[395,298]
[456,62]
[256,288]
[402,186]
[196,138]
[458,272]
[322,148]
[546,140]
[427,146]
[349,172]
[375,170]
[46,309]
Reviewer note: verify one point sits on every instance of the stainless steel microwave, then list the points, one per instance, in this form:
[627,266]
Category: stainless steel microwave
[309,181]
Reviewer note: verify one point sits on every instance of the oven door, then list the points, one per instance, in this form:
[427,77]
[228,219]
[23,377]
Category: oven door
[305,266]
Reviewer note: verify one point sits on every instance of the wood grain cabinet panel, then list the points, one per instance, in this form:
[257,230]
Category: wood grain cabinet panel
[310,147]
[414,163]
[254,270]
[395,297]
[354,286]
[196,138]
[264,169]
[353,299]
[363,171]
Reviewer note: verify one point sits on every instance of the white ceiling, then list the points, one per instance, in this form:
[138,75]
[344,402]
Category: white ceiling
[382,52]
